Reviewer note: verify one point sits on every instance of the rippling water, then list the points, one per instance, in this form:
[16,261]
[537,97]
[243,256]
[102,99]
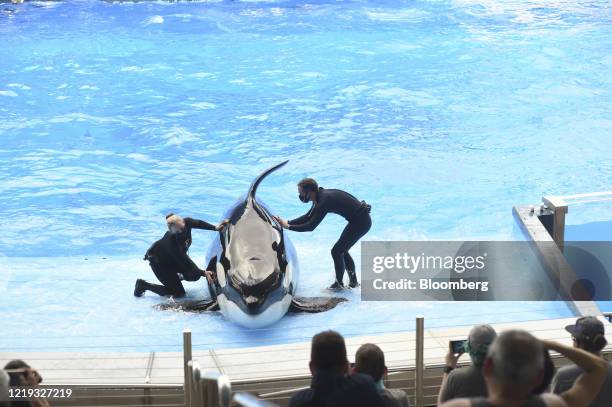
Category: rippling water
[442,114]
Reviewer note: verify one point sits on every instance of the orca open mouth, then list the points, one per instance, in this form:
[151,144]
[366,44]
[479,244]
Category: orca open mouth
[255,293]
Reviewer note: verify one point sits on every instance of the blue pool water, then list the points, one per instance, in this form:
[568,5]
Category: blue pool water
[441,114]
[591,222]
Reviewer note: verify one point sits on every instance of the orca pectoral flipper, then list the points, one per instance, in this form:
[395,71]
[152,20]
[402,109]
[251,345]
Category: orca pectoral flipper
[314,304]
[190,306]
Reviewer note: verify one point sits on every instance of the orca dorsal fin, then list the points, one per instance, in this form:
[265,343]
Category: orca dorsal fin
[255,184]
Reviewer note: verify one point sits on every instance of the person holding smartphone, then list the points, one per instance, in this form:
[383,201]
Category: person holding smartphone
[467,381]
[514,367]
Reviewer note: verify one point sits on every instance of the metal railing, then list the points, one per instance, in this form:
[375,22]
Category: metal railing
[213,389]
[248,400]
[207,389]
[202,385]
[420,363]
[590,197]
[187,354]
[203,388]
[559,206]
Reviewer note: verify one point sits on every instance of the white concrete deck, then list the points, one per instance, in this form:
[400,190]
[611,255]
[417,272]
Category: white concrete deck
[257,363]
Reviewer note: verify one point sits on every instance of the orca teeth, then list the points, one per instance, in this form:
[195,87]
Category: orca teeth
[250,300]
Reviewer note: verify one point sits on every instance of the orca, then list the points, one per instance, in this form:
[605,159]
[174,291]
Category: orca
[256,267]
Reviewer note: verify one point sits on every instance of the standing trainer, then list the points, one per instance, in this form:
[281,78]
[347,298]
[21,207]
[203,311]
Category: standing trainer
[169,259]
[324,201]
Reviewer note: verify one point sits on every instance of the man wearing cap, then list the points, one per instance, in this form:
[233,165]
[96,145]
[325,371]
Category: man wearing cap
[467,381]
[588,334]
[514,369]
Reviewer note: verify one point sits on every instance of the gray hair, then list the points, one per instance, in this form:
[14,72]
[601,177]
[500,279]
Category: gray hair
[175,220]
[518,357]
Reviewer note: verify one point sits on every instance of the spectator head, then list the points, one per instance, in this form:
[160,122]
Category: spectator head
[588,334]
[175,223]
[21,374]
[549,373]
[479,340]
[4,385]
[370,360]
[328,353]
[515,361]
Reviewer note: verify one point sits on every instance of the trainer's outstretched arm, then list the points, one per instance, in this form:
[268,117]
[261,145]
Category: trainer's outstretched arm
[588,384]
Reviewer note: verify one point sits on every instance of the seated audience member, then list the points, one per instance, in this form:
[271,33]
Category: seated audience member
[4,392]
[331,385]
[22,375]
[467,381]
[370,360]
[588,334]
[549,372]
[514,367]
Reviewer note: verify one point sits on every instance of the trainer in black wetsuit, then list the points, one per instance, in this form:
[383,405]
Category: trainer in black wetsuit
[356,212]
[168,257]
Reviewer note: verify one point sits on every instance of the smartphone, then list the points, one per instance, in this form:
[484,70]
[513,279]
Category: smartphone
[458,347]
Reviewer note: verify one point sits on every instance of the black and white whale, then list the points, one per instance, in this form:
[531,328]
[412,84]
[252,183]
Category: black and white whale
[256,267]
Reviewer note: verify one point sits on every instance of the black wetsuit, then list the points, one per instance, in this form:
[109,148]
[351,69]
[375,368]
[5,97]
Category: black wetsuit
[168,257]
[356,212]
[331,390]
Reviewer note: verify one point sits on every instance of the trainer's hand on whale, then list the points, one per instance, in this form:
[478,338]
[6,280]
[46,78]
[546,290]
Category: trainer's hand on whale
[221,225]
[209,276]
[281,221]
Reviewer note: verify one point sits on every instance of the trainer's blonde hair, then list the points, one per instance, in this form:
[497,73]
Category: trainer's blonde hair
[176,221]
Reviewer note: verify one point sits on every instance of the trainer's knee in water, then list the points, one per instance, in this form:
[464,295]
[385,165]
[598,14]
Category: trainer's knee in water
[178,292]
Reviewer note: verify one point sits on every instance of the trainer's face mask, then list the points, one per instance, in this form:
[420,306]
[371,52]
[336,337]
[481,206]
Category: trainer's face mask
[175,229]
[303,195]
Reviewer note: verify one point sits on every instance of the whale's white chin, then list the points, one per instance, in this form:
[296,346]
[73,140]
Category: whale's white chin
[272,314]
